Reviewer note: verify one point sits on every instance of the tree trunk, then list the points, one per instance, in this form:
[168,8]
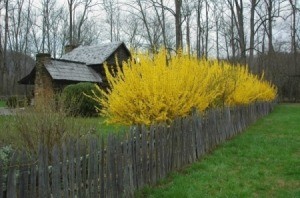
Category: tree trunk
[252,31]
[178,5]
[232,37]
[161,20]
[82,19]
[5,37]
[263,42]
[270,26]
[152,47]
[163,25]
[217,39]
[293,34]
[199,29]
[70,3]
[206,29]
[188,40]
[240,24]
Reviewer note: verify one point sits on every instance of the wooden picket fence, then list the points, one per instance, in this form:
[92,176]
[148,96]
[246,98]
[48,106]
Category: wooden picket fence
[116,167]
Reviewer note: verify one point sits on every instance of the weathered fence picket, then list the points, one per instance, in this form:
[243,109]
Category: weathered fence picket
[118,166]
[11,178]
[152,157]
[1,178]
[78,165]
[55,180]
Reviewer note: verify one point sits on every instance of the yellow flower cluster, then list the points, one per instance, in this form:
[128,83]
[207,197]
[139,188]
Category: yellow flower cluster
[148,90]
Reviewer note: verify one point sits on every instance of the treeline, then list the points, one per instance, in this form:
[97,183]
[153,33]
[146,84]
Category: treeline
[237,30]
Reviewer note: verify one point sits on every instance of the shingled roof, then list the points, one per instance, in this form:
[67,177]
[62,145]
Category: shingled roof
[72,71]
[74,65]
[92,55]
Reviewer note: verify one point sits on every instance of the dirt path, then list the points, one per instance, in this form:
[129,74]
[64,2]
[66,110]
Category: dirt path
[7,111]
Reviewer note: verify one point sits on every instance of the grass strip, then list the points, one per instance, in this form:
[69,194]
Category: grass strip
[2,103]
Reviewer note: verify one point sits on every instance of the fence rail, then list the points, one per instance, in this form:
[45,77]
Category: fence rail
[119,166]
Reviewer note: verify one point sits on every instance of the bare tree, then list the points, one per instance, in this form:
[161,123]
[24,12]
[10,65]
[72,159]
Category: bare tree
[218,12]
[78,16]
[206,28]
[133,34]
[253,5]
[233,38]
[87,5]
[293,27]
[5,35]
[111,8]
[199,27]
[56,24]
[269,4]
[161,18]
[3,48]
[178,23]
[293,33]
[72,4]
[239,21]
[146,24]
[187,10]
[16,41]
[47,10]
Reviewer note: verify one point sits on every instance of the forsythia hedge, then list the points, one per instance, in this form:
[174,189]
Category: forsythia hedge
[154,89]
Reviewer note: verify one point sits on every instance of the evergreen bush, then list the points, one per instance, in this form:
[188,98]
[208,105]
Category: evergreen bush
[75,101]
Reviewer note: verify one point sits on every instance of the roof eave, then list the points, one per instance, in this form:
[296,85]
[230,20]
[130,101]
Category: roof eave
[28,79]
[75,81]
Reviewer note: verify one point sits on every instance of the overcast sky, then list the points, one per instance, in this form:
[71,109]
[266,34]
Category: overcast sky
[281,28]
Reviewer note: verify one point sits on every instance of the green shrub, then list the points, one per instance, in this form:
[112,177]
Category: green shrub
[76,103]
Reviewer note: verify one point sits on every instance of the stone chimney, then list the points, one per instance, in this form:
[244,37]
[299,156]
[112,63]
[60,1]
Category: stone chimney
[43,89]
[69,48]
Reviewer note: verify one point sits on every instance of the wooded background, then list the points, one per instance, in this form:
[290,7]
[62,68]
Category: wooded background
[264,34]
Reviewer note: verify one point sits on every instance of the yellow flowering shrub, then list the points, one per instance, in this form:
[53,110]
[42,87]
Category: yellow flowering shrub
[153,89]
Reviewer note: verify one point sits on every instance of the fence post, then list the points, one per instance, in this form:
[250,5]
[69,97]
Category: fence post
[24,176]
[56,173]
[65,171]
[80,187]
[152,155]
[1,178]
[144,149]
[102,168]
[120,166]
[130,168]
[43,172]
[11,178]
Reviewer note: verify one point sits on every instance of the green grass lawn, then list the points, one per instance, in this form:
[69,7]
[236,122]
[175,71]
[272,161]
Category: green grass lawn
[262,162]
[2,103]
